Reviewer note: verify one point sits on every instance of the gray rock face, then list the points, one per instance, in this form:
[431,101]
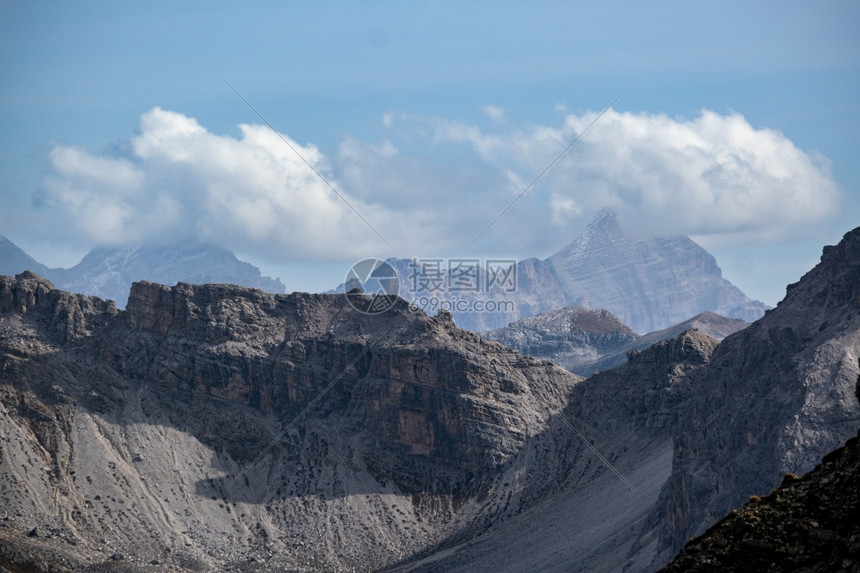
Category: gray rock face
[598,471]
[648,283]
[775,397]
[572,337]
[187,430]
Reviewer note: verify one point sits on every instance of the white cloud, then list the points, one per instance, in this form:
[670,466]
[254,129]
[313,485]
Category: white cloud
[183,181]
[714,175]
[494,112]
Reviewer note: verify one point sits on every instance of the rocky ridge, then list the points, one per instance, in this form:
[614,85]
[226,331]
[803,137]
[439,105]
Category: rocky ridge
[710,324]
[164,434]
[572,337]
[774,398]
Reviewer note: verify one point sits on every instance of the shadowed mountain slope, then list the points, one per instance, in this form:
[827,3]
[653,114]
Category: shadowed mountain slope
[166,432]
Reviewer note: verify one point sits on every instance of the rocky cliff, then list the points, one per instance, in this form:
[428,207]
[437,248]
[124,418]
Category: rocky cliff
[215,427]
[602,463]
[774,398]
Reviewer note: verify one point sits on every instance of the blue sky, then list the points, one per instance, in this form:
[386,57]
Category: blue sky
[740,129]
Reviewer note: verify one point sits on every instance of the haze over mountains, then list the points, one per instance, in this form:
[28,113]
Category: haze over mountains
[109,272]
[132,439]
[647,283]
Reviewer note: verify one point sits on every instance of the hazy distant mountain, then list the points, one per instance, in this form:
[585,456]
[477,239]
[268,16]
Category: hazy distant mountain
[538,289]
[649,283]
[108,272]
[14,260]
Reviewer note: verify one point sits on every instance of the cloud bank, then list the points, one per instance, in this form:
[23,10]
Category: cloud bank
[714,175]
